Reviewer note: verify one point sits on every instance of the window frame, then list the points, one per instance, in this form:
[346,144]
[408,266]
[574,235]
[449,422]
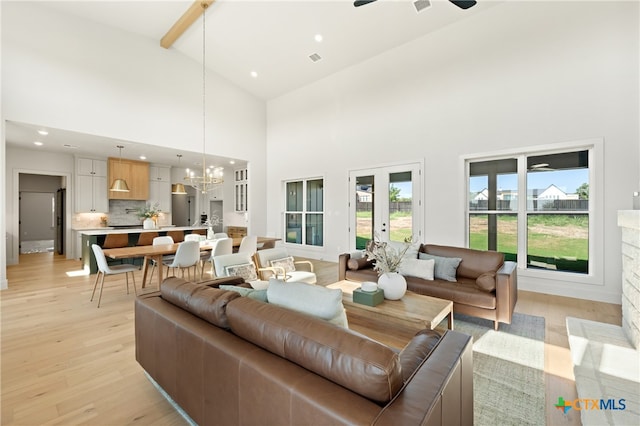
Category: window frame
[304,212]
[594,146]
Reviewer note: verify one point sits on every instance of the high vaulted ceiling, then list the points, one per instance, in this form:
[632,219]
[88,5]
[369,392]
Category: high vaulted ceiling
[272,38]
[276,38]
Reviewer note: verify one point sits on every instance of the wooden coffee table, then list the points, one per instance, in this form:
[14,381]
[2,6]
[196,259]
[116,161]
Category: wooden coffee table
[414,311]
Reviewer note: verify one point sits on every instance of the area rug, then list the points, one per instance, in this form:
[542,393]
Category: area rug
[508,370]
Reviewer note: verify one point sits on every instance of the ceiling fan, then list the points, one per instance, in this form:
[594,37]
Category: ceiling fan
[462,4]
[541,167]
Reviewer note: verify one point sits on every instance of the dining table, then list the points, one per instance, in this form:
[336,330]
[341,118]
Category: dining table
[156,252]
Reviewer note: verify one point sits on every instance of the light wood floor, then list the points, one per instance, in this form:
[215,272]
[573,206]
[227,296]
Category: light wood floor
[64,361]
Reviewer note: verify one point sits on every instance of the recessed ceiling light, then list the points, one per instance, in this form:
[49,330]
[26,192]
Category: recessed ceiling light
[254,74]
[232,162]
[66,145]
[38,143]
[318,38]
[142,157]
[43,132]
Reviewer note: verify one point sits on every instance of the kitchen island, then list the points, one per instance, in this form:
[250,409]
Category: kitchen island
[98,236]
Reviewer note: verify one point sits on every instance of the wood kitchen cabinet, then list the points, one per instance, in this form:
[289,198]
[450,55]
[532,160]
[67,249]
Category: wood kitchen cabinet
[91,186]
[135,173]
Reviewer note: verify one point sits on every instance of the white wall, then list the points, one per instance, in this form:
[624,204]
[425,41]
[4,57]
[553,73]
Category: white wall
[520,74]
[31,161]
[62,72]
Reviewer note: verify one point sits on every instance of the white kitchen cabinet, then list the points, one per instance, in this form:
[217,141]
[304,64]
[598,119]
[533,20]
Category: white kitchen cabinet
[159,174]
[160,187]
[91,186]
[160,192]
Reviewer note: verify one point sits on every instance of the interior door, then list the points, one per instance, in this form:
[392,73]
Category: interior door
[385,202]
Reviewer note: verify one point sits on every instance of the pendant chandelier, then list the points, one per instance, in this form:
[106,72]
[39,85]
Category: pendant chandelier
[211,176]
[178,188]
[119,184]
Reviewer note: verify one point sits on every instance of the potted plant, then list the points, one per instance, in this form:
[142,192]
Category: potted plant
[387,260]
[149,214]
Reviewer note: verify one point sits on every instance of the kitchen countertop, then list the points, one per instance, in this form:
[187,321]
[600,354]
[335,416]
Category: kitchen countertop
[108,230]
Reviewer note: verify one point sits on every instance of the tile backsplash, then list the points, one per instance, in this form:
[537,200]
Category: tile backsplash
[124,212]
[121,213]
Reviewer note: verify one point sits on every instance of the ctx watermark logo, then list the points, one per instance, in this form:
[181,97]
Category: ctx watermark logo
[590,404]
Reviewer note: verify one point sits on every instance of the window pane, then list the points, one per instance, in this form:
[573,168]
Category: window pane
[400,206]
[294,196]
[558,182]
[507,191]
[314,230]
[364,210]
[294,228]
[558,242]
[314,195]
[478,231]
[506,233]
[478,192]
[507,225]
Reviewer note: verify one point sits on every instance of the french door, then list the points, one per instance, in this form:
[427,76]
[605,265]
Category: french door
[386,202]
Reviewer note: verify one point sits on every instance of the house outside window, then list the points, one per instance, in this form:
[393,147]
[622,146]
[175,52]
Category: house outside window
[550,228]
[304,212]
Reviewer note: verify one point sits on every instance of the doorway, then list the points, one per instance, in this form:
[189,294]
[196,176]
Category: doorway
[42,226]
[385,202]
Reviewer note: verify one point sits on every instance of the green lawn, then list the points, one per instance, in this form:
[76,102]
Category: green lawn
[552,239]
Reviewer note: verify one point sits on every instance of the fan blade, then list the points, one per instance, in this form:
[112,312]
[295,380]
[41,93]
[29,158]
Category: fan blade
[359,3]
[464,4]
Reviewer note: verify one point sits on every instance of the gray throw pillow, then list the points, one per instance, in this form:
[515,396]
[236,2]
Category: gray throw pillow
[251,293]
[445,267]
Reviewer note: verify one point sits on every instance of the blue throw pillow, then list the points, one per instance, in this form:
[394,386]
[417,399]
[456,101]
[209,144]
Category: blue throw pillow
[445,267]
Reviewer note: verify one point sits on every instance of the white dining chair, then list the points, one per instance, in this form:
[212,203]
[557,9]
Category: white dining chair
[168,258]
[219,235]
[187,256]
[221,246]
[249,244]
[192,237]
[104,269]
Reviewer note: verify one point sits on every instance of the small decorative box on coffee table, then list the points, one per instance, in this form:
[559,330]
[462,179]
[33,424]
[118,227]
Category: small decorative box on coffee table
[369,298]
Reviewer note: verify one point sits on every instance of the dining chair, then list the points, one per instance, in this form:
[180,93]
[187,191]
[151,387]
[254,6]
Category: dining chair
[249,244]
[187,256]
[221,247]
[167,258]
[192,237]
[218,235]
[285,265]
[104,269]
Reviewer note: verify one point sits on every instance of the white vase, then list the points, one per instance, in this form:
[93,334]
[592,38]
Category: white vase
[148,223]
[393,284]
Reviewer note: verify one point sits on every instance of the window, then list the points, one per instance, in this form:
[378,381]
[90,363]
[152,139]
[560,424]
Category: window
[549,228]
[304,212]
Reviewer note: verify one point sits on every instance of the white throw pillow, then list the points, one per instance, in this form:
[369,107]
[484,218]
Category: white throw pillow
[315,300]
[412,251]
[417,268]
[286,263]
[245,270]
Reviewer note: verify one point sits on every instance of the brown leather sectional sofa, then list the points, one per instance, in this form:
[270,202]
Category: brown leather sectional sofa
[486,286]
[231,360]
